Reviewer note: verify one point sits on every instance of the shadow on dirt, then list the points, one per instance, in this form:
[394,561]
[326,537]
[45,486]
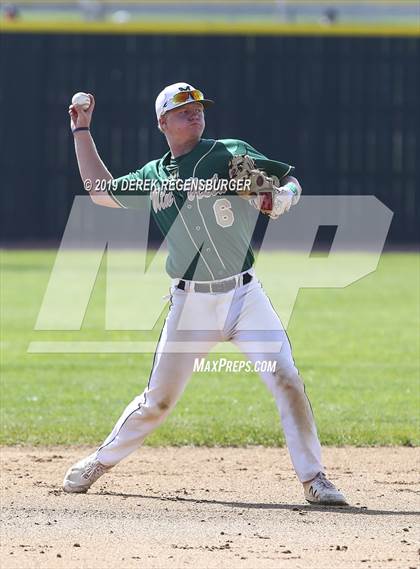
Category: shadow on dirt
[364,511]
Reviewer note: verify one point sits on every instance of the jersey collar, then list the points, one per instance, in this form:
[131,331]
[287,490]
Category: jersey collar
[167,158]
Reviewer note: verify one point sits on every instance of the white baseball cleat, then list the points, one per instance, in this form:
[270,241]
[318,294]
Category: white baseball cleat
[321,491]
[80,477]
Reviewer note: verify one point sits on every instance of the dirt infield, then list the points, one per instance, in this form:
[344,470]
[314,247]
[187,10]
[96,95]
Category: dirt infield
[208,508]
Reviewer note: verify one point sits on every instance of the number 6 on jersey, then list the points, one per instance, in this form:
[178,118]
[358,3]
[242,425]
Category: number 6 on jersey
[223,211]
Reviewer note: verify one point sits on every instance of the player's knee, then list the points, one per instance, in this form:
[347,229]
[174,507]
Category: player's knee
[152,405]
[159,408]
[164,404]
[288,379]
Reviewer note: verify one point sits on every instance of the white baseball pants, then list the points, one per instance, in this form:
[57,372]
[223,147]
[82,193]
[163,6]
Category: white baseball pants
[195,323]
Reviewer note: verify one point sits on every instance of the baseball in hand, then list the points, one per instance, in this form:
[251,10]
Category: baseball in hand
[81,99]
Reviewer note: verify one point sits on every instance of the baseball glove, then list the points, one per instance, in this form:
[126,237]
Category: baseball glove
[263,191]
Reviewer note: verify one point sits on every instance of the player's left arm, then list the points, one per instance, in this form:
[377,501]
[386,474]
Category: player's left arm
[271,187]
[288,187]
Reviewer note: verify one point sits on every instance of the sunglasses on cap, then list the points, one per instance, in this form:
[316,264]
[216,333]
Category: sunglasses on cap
[184,96]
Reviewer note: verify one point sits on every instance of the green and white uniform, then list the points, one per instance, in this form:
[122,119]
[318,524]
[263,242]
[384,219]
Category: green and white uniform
[214,228]
[208,239]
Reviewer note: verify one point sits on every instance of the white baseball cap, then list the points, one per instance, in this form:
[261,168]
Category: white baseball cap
[177,95]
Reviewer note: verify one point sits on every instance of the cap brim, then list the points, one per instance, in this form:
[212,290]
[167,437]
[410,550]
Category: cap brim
[206,103]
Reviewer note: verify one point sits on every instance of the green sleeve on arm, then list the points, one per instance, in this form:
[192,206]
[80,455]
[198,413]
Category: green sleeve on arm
[129,191]
[279,169]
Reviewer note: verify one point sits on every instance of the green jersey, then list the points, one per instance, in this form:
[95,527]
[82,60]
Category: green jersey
[208,227]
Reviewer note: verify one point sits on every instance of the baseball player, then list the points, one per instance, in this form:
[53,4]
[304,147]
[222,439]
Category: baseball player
[215,294]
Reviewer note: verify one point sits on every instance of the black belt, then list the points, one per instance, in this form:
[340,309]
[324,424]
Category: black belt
[217,286]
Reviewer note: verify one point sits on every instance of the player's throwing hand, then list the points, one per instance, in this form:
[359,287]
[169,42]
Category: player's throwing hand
[80,118]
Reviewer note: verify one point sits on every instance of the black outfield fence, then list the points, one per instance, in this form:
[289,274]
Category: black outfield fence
[344,110]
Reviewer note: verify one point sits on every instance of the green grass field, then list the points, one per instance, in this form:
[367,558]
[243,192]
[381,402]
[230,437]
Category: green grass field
[356,347]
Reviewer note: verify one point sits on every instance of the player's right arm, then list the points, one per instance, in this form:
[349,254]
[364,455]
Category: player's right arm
[92,169]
